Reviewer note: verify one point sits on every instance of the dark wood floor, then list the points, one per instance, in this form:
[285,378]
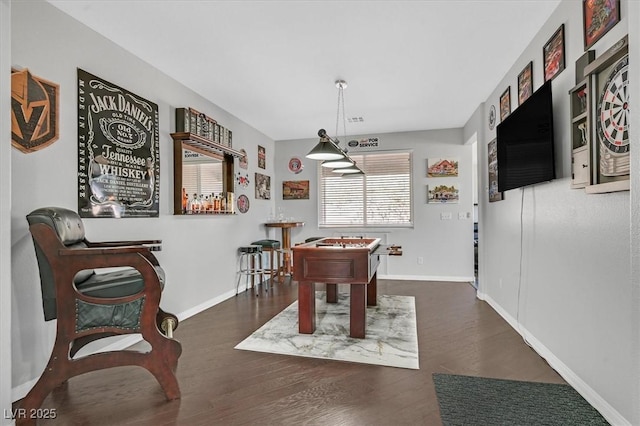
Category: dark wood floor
[457,334]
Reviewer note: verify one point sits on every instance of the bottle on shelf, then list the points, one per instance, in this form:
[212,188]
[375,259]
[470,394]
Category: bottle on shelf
[195,207]
[185,201]
[223,202]
[191,204]
[230,202]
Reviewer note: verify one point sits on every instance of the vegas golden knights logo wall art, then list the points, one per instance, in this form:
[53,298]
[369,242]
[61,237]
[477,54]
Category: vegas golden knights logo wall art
[34,111]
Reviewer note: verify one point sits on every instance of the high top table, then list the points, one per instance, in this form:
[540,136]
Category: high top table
[286,243]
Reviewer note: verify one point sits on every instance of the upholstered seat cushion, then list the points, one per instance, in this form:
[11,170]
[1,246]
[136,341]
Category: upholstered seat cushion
[267,244]
[254,248]
[119,283]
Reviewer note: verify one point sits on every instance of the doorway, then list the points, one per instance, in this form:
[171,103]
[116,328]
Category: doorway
[473,141]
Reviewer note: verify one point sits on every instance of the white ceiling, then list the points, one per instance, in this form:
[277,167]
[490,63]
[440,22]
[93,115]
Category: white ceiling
[409,65]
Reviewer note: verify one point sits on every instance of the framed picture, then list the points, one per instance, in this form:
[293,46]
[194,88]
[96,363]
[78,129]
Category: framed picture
[598,17]
[553,55]
[525,83]
[263,187]
[505,103]
[243,161]
[262,157]
[442,167]
[492,157]
[295,190]
[442,194]
[110,183]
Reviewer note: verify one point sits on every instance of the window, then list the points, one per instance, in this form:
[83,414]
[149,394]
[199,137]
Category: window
[380,198]
[203,179]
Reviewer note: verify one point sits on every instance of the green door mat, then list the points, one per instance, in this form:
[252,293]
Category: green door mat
[466,400]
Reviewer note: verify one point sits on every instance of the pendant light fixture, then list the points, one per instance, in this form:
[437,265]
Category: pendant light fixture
[328,149]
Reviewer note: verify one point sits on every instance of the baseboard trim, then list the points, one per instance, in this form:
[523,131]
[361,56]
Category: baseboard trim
[587,392]
[426,278]
[207,304]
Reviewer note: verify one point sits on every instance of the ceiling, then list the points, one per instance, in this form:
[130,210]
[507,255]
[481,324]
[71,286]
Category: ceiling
[409,65]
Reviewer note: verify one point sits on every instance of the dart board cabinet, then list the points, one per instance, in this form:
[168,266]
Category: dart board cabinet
[600,123]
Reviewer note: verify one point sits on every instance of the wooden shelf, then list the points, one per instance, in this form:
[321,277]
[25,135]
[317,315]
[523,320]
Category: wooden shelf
[580,110]
[228,213]
[580,117]
[200,144]
[601,188]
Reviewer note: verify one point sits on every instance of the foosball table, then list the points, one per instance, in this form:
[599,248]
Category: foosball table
[334,261]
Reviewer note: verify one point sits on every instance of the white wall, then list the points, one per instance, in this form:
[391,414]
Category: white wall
[199,253]
[568,290]
[5,211]
[634,88]
[445,245]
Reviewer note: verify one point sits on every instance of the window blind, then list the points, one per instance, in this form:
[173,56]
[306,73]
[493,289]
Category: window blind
[382,197]
[202,179]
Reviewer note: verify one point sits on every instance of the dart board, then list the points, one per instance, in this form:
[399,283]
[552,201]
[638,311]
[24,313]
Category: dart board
[612,127]
[613,109]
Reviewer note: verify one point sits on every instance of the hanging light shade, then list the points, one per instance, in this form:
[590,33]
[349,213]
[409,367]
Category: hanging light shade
[353,175]
[349,170]
[338,164]
[325,149]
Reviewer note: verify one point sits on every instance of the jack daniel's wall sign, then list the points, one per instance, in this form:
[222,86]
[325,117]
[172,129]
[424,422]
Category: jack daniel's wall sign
[118,151]
[34,111]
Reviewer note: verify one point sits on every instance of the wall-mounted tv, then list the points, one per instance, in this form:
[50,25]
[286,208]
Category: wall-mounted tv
[525,150]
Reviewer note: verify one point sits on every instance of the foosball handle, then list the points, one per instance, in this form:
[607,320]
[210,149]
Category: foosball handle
[395,250]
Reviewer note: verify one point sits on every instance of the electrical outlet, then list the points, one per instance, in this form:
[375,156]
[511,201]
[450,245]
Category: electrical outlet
[461,216]
[420,260]
[445,216]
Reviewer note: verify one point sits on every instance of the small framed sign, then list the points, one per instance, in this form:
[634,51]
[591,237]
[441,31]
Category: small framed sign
[505,103]
[525,83]
[295,165]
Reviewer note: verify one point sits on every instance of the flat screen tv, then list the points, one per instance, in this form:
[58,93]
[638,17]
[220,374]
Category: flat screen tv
[525,150]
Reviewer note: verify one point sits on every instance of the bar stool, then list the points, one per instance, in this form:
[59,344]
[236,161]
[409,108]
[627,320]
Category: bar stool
[273,248]
[251,256]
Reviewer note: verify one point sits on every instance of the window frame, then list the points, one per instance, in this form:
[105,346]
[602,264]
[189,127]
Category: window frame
[364,224]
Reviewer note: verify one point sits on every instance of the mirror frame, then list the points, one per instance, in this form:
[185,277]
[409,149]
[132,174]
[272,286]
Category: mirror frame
[227,171]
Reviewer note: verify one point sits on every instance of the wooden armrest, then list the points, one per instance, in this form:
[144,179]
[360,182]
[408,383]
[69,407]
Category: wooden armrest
[152,245]
[92,251]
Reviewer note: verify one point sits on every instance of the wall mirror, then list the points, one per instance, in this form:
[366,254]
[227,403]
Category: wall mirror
[203,181]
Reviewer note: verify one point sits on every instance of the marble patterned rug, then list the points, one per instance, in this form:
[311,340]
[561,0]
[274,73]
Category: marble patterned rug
[391,336]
